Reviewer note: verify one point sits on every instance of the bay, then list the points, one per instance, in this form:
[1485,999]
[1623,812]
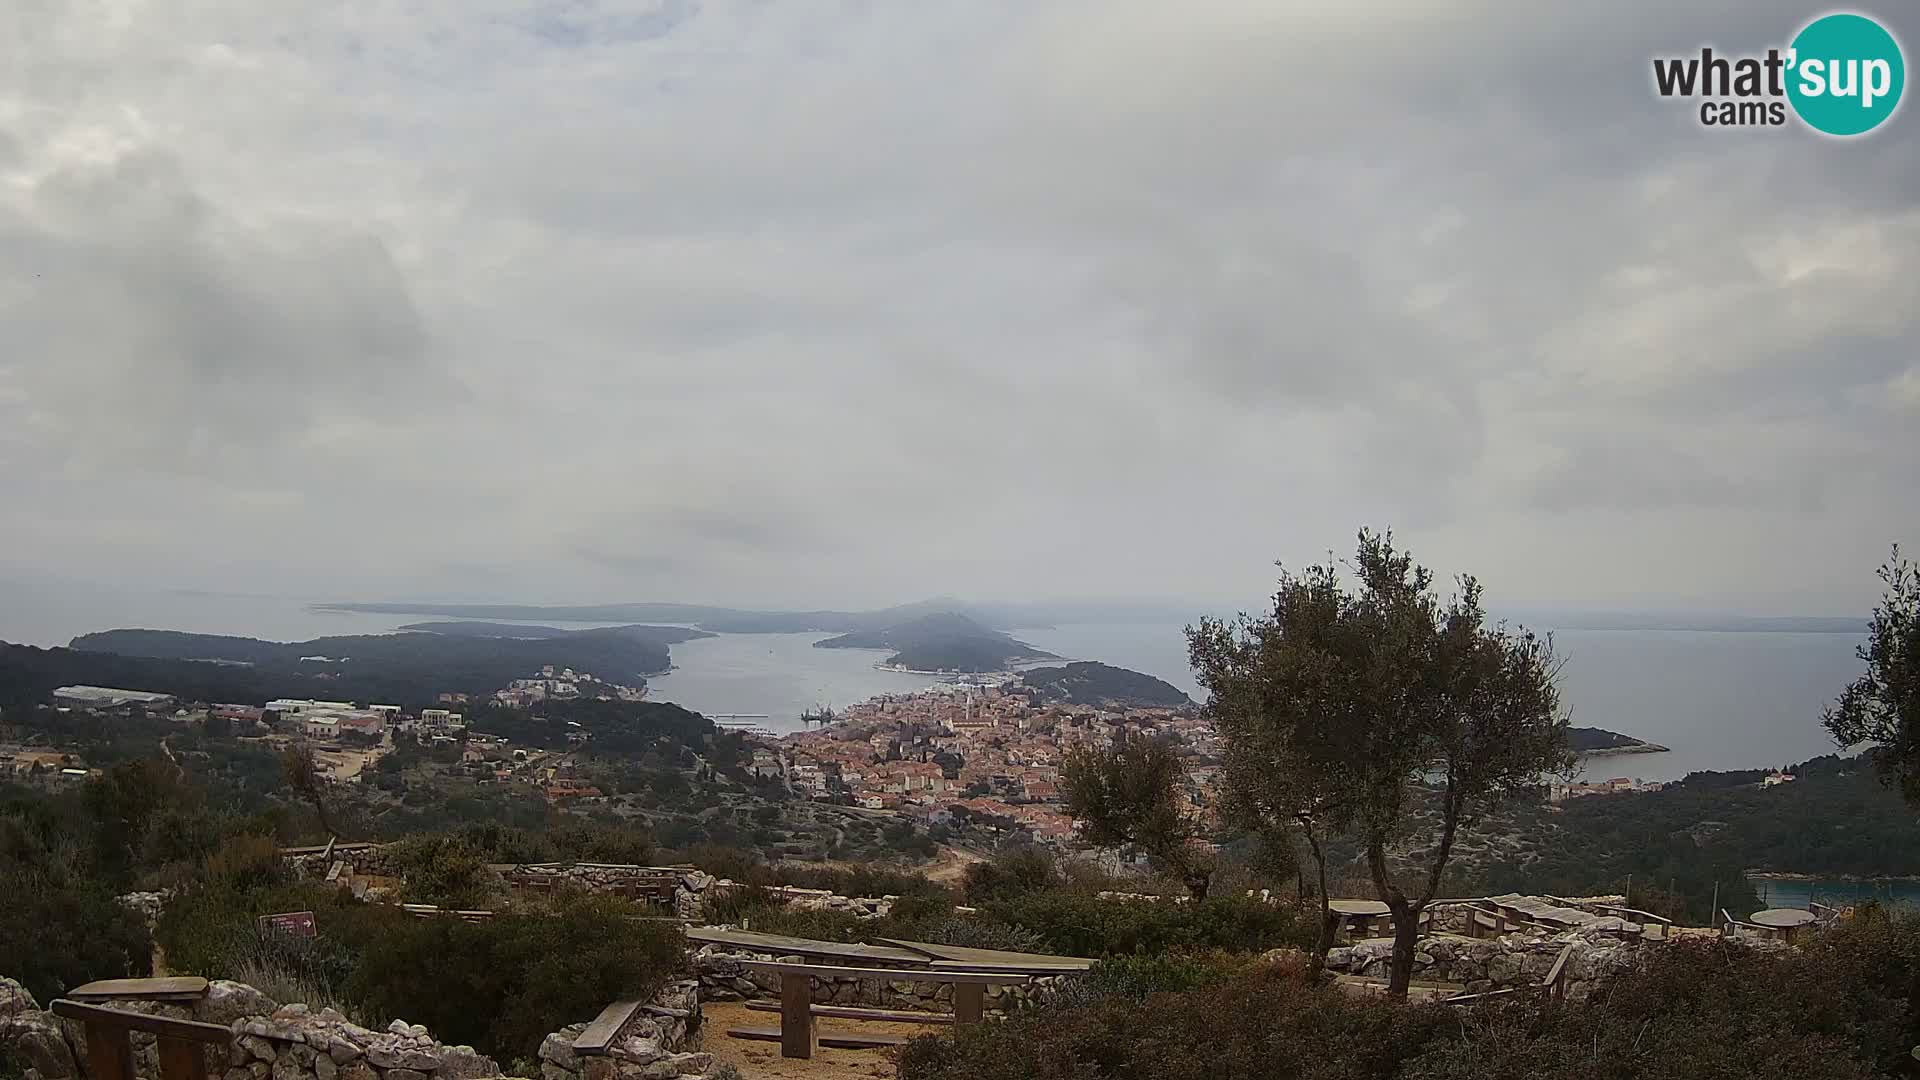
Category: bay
[1718,700]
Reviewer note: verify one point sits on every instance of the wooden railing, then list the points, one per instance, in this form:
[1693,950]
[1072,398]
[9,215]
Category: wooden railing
[1644,918]
[182,1043]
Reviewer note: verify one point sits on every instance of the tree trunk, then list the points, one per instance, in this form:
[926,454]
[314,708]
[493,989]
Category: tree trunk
[1406,941]
[1323,939]
[1406,927]
[1198,882]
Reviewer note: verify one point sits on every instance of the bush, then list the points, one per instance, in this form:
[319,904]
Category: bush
[1138,976]
[1010,875]
[1693,1008]
[1271,1024]
[1079,925]
[214,931]
[503,984]
[442,870]
[57,932]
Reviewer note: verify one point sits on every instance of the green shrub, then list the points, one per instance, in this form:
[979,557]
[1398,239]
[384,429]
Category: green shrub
[440,869]
[503,984]
[1080,925]
[1010,875]
[1141,975]
[58,931]
[1834,1011]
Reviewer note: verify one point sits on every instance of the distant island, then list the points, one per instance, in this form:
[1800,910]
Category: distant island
[1598,741]
[723,620]
[730,620]
[1085,682]
[665,635]
[944,643]
[402,668]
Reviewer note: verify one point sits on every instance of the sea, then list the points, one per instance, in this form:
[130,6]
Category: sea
[1716,699]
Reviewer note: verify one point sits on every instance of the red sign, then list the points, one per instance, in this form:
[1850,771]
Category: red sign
[293,924]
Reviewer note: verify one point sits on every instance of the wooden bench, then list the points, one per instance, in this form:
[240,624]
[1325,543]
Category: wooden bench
[797,1034]
[605,1028]
[1647,920]
[182,1044]
[849,1012]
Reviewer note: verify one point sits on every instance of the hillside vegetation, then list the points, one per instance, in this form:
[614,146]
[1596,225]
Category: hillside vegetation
[945,641]
[1084,682]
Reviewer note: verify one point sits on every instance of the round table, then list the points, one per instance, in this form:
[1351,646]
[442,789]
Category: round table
[1782,920]
[1359,915]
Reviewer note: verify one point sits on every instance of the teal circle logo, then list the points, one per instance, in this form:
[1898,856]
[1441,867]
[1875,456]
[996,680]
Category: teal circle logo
[1845,74]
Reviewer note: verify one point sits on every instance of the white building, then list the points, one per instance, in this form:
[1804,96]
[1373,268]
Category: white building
[290,707]
[107,697]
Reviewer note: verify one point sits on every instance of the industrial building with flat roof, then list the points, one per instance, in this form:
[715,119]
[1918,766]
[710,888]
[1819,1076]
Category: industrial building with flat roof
[108,697]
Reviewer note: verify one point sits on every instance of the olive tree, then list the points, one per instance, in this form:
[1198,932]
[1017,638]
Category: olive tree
[1882,707]
[1283,766]
[1129,796]
[1384,712]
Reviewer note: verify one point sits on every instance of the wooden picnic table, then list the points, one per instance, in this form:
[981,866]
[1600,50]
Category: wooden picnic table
[796,1033]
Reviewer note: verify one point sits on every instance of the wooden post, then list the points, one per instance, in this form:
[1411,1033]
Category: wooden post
[796,1016]
[969,1003]
[182,1059]
[109,1053]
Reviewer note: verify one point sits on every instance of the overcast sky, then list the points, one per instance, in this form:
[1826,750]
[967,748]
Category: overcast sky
[850,303]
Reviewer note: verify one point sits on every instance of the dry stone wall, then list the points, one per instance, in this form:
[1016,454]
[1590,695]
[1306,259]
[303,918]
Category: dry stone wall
[295,1042]
[653,1045]
[270,1041]
[724,976]
[1512,960]
[692,888]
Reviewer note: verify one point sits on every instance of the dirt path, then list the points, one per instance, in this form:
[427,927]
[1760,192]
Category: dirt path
[951,867]
[762,1060]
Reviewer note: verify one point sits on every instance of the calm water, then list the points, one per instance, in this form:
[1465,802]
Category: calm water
[1719,700]
[781,675]
[1836,893]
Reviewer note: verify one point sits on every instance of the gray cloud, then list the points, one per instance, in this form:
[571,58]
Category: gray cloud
[816,303]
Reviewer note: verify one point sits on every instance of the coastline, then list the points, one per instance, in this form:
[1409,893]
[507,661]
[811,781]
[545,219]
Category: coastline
[1637,748]
[899,670]
[1788,875]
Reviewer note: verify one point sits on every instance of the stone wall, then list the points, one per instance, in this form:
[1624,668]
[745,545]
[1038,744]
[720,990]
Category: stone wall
[295,1042]
[725,977]
[290,1042]
[653,1045]
[691,889]
[1512,960]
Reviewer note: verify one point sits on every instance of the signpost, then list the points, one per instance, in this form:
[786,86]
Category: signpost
[297,924]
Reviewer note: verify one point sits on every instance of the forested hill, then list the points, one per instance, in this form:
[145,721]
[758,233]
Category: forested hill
[943,642]
[665,635]
[1836,819]
[614,654]
[402,669]
[1589,740]
[1085,682]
